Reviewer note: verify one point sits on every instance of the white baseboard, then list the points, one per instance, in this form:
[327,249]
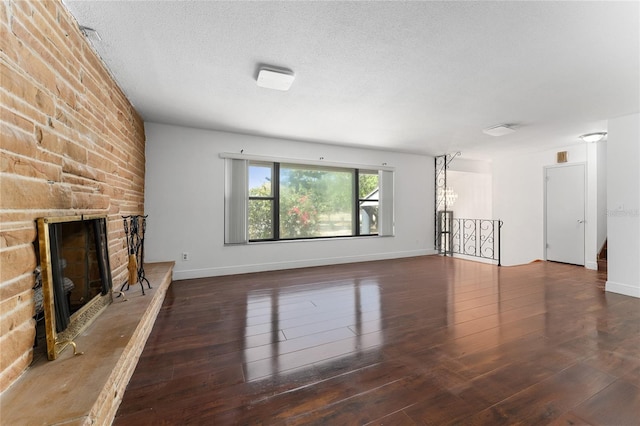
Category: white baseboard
[626,289]
[261,267]
[591,265]
[475,259]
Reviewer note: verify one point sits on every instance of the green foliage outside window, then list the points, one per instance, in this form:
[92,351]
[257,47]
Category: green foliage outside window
[368,182]
[261,213]
[313,202]
[298,216]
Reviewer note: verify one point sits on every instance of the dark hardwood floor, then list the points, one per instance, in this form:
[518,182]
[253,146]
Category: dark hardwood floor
[426,340]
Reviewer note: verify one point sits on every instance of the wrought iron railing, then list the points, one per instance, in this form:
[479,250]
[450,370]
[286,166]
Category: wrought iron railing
[475,237]
[469,237]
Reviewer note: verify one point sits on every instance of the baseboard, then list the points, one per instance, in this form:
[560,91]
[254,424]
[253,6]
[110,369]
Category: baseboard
[626,289]
[475,259]
[591,265]
[262,267]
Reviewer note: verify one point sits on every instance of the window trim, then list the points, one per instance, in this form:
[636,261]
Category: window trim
[323,163]
[276,167]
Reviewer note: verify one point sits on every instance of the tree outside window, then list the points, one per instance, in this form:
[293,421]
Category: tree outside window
[310,201]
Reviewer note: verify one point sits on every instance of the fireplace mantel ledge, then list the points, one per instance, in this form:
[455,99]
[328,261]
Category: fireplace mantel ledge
[88,389]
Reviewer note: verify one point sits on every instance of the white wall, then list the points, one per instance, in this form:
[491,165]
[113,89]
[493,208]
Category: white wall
[596,212]
[623,199]
[184,198]
[474,194]
[518,200]
[602,193]
[471,180]
[470,166]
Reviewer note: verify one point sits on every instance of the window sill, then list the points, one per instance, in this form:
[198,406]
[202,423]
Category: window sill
[298,240]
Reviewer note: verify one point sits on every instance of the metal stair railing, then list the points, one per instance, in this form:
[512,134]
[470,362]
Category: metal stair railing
[471,237]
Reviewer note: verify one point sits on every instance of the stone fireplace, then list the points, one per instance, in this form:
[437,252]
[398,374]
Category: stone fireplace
[74,284]
[72,145]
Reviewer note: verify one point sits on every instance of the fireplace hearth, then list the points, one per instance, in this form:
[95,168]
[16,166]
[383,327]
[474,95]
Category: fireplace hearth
[87,390]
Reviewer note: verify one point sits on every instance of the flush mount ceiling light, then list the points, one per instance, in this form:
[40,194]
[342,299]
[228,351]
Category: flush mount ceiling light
[275,79]
[499,130]
[593,137]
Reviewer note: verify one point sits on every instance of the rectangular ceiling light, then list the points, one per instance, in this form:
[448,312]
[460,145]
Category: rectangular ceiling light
[277,80]
[499,130]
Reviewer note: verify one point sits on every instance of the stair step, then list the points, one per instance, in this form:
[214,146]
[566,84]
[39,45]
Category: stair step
[602,265]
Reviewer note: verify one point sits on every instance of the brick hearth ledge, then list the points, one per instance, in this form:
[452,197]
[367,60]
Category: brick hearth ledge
[87,389]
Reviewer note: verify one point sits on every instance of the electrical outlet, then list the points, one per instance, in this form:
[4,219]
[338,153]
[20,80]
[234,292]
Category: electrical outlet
[185,255]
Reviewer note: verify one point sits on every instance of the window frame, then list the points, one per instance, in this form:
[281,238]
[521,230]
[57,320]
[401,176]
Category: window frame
[359,201]
[275,189]
[275,198]
[236,216]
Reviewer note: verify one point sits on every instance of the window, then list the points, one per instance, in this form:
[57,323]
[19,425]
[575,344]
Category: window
[368,201]
[287,201]
[262,201]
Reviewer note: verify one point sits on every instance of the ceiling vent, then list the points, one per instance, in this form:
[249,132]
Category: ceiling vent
[275,79]
[90,33]
[500,130]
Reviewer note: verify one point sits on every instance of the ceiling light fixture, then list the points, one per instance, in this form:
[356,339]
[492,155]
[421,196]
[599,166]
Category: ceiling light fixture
[593,137]
[275,79]
[499,130]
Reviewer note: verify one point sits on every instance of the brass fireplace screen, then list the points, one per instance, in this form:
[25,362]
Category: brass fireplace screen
[70,306]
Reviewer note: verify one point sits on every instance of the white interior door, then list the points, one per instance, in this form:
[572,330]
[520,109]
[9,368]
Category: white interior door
[565,213]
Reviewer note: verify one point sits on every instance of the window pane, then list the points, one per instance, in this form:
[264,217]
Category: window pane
[368,217]
[368,201]
[260,178]
[315,202]
[368,184]
[260,219]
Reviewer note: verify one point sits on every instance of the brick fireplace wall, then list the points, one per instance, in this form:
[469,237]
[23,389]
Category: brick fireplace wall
[71,144]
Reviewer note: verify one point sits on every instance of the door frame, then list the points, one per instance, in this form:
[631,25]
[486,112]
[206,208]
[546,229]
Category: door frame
[544,205]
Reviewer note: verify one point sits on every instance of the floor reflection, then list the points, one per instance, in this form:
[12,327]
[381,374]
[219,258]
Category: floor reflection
[482,314]
[305,327]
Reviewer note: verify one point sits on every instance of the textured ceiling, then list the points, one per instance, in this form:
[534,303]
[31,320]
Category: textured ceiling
[422,77]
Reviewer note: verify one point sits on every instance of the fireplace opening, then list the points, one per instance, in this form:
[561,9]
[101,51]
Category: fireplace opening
[73,277]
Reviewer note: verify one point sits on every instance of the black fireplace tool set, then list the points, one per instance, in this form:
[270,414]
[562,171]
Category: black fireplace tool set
[134,229]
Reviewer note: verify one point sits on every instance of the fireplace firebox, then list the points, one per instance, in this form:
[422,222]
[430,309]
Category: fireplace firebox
[76,277]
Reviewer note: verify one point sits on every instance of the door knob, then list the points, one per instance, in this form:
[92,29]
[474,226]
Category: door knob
[580,221]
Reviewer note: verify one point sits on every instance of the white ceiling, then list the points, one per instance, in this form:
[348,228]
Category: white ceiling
[422,77]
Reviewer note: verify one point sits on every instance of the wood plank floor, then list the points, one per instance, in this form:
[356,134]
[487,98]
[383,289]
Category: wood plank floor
[426,340]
